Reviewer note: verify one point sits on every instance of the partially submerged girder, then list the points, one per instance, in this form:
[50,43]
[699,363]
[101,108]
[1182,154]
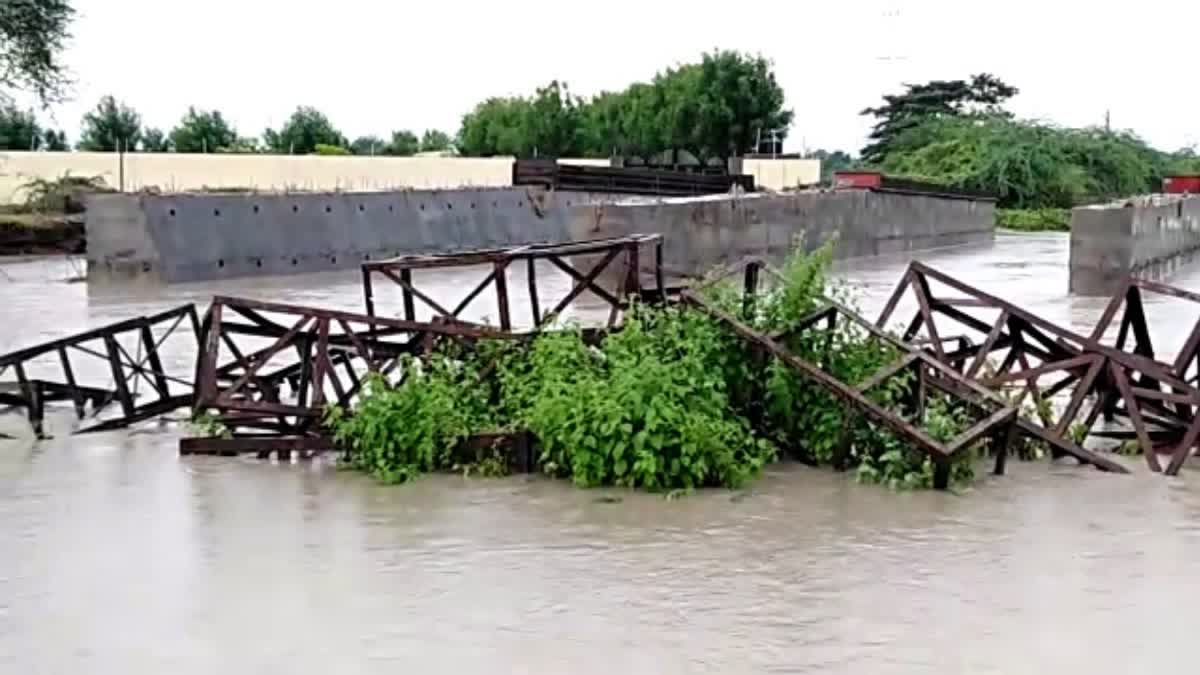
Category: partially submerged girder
[597,256]
[1014,346]
[993,418]
[267,370]
[118,369]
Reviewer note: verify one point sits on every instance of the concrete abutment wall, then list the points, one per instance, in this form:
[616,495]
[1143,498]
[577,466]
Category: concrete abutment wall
[201,237]
[1147,236]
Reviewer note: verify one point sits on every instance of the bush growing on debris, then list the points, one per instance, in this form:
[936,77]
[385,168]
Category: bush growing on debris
[663,404]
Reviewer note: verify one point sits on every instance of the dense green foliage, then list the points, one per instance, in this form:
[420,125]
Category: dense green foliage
[32,36]
[403,144]
[111,126]
[399,432]
[1034,220]
[434,140]
[650,410]
[713,109]
[203,131]
[19,129]
[666,403]
[938,99]
[1027,164]
[303,132]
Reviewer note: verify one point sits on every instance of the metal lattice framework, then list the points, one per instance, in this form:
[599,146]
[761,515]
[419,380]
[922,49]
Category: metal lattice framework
[994,417]
[597,256]
[131,353]
[267,370]
[1155,401]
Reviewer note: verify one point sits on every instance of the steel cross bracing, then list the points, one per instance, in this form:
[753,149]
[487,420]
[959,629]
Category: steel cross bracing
[994,417]
[118,369]
[1154,402]
[596,256]
[267,370]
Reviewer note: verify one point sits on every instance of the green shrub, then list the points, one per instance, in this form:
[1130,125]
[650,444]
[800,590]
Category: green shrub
[1034,220]
[400,431]
[326,149]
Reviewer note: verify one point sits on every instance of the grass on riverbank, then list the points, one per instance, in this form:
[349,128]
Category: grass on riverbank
[1034,220]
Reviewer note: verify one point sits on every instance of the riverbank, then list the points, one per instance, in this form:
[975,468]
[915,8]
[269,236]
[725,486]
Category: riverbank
[41,234]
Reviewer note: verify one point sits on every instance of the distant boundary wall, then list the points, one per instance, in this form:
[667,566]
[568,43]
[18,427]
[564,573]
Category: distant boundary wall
[200,237]
[179,172]
[1149,237]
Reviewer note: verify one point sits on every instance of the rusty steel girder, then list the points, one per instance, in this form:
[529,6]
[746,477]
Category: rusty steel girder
[1156,401]
[266,370]
[598,255]
[131,350]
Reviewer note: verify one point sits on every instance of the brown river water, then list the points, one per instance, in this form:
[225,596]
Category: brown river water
[118,556]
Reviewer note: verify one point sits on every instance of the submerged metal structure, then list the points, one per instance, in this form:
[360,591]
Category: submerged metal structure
[263,373]
[1157,401]
[597,256]
[133,383]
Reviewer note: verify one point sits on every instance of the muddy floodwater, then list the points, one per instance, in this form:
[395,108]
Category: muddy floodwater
[118,556]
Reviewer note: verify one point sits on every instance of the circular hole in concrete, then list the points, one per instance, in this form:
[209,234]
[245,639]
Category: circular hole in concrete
[293,261]
[520,204]
[449,207]
[361,207]
[258,263]
[220,263]
[422,207]
[568,202]
[172,212]
[390,207]
[472,204]
[493,205]
[328,209]
[217,213]
[256,208]
[333,259]
[295,208]
[366,256]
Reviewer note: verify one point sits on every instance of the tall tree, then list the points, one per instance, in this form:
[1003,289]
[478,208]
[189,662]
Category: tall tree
[19,129]
[368,145]
[403,144]
[54,141]
[32,36]
[737,100]
[434,140]
[496,126]
[111,125]
[203,131]
[983,93]
[154,140]
[303,132]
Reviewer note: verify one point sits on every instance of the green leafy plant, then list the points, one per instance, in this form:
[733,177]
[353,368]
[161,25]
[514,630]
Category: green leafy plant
[400,431]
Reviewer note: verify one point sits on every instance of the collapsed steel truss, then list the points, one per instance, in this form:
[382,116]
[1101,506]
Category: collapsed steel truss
[1158,401]
[131,352]
[600,256]
[267,370]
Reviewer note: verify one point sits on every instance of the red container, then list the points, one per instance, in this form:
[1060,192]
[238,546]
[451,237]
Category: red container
[1181,185]
[857,179]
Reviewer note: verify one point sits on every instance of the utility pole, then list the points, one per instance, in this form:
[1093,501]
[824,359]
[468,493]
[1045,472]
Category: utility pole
[1107,121]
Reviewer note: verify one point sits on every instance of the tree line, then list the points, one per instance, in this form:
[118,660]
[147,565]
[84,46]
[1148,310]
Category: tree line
[113,125]
[722,106]
[958,133]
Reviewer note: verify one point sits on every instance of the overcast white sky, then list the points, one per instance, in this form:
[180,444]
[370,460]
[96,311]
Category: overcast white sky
[378,65]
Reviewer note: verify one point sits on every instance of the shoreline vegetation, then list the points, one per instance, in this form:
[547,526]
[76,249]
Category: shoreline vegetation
[1034,220]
